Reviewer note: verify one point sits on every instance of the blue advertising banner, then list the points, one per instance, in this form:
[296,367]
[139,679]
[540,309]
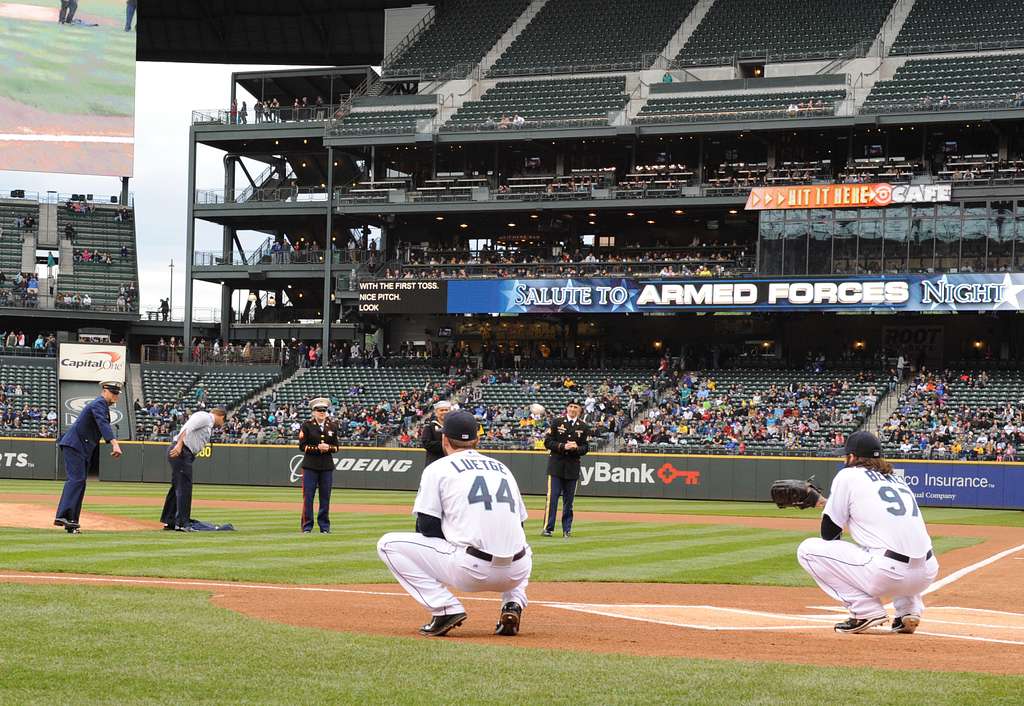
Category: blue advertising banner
[964,485]
[946,292]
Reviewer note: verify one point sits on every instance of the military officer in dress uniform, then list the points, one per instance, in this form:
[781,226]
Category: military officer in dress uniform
[318,439]
[79,442]
[430,437]
[567,442]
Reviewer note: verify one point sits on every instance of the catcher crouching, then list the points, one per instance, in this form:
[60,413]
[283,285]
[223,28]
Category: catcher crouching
[891,553]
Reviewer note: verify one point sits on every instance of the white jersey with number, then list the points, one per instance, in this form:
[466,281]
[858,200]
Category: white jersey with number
[879,511]
[477,500]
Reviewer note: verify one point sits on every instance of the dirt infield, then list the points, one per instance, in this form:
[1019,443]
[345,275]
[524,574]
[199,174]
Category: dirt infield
[35,516]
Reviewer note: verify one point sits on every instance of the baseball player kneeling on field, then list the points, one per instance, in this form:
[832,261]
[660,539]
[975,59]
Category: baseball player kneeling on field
[469,534]
[891,553]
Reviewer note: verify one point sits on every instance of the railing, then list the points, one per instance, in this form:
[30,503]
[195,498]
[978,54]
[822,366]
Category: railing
[262,179]
[205,315]
[235,355]
[532,124]
[61,198]
[686,267]
[569,69]
[281,194]
[957,47]
[722,116]
[217,258]
[409,39]
[27,351]
[770,56]
[269,116]
[340,129]
[981,103]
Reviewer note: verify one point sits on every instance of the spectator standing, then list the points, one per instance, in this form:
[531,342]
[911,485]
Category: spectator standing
[192,439]
[318,441]
[567,442]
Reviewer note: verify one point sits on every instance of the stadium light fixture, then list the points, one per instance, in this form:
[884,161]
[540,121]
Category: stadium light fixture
[438,218]
[511,225]
[630,214]
[733,211]
[650,221]
[678,212]
[592,215]
[463,225]
[534,216]
[593,223]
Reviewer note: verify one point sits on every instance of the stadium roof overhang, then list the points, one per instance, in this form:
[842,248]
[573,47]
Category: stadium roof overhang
[292,32]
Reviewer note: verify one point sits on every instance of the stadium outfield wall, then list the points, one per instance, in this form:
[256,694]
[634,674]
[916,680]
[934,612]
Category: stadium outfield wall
[680,476]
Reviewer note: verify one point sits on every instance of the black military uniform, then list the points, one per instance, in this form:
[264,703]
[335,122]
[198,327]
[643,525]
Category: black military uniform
[317,471]
[430,440]
[564,468]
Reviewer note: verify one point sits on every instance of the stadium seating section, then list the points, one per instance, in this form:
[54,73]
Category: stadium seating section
[10,235]
[99,231]
[608,35]
[745,106]
[783,30]
[807,411]
[178,388]
[970,412]
[477,27]
[966,81]
[558,102]
[38,392]
[954,25]
[380,122]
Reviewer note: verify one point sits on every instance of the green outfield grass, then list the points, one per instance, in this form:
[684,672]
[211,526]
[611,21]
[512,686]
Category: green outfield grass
[70,70]
[268,546]
[121,645]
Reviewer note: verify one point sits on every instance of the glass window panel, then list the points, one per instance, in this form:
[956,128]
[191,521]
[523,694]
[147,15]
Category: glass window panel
[819,258]
[947,209]
[974,246]
[1002,208]
[796,214]
[1000,243]
[922,245]
[947,244]
[822,214]
[975,209]
[845,247]
[894,250]
[796,249]
[869,250]
[870,213]
[1018,247]
[771,248]
[923,211]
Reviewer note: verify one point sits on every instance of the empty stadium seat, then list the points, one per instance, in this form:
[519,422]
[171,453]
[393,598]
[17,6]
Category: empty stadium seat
[593,35]
[954,25]
[782,30]
[545,103]
[99,231]
[966,81]
[461,34]
[380,122]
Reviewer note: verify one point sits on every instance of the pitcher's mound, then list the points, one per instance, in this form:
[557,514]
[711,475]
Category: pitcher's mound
[32,516]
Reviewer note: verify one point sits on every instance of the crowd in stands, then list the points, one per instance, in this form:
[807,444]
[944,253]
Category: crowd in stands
[80,207]
[929,423]
[16,343]
[16,414]
[271,111]
[697,411]
[23,290]
[127,297]
[85,255]
[24,222]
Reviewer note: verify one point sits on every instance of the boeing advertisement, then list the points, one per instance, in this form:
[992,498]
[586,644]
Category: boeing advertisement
[912,293]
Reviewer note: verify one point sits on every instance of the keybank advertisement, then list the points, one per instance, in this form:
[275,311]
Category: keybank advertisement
[976,292]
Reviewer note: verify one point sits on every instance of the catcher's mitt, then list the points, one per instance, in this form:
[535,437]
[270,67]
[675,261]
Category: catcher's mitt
[796,493]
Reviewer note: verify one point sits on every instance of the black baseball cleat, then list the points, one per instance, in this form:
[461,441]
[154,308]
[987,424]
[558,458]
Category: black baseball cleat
[183,529]
[508,622]
[860,624]
[61,522]
[73,529]
[325,531]
[566,535]
[441,624]
[307,531]
[545,533]
[168,528]
[906,624]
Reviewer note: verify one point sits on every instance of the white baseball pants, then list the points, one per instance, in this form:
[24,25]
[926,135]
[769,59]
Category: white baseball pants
[427,566]
[860,577]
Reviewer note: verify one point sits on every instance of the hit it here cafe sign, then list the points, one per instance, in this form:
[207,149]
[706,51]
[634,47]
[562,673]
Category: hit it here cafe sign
[770,198]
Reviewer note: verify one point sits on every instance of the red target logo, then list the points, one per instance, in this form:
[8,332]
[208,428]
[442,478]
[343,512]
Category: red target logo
[883,195]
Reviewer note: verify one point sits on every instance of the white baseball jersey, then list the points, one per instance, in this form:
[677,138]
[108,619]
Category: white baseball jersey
[879,511]
[477,500]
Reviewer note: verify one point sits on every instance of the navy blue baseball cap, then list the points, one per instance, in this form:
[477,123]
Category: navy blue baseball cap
[460,425]
[863,444]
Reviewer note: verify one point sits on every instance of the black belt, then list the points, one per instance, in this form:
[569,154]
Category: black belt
[901,557]
[473,551]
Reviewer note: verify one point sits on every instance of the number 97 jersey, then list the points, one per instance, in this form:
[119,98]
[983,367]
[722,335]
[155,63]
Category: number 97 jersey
[879,511]
[477,500]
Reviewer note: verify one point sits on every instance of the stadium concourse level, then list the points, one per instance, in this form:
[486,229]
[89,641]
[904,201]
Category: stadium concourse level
[379,122]
[170,394]
[477,27]
[540,103]
[782,30]
[741,106]
[952,83]
[28,397]
[595,35]
[953,25]
[105,273]
[693,261]
[971,411]
[755,411]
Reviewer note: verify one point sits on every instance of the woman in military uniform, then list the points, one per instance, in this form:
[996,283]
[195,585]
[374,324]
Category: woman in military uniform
[318,440]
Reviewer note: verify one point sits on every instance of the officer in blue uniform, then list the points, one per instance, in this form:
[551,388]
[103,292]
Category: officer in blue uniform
[79,442]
